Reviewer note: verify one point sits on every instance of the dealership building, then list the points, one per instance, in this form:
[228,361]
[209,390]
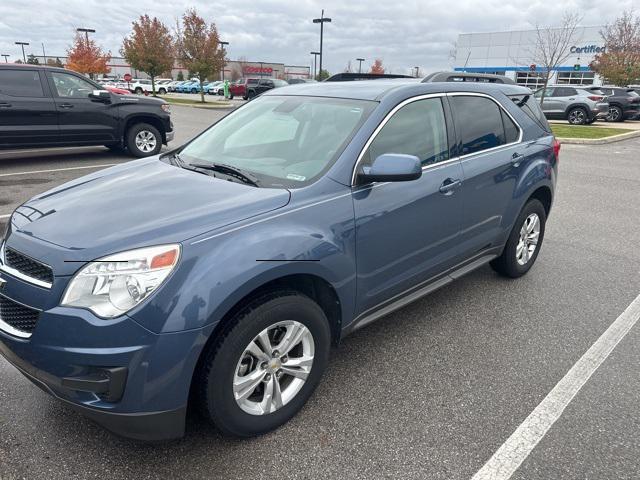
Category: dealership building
[512,54]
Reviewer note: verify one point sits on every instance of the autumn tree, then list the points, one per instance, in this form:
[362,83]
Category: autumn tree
[85,56]
[199,47]
[149,48]
[377,67]
[620,62]
[553,47]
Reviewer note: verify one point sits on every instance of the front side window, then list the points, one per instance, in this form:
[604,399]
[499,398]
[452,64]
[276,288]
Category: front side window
[70,86]
[418,128]
[479,120]
[20,83]
[284,141]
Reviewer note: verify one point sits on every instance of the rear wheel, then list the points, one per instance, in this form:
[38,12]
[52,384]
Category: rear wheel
[524,242]
[615,114]
[577,116]
[162,91]
[143,140]
[265,364]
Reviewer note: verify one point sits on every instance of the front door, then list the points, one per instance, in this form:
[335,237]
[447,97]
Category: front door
[82,120]
[28,114]
[407,232]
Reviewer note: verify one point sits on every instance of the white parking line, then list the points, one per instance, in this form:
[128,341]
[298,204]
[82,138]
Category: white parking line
[59,169]
[503,464]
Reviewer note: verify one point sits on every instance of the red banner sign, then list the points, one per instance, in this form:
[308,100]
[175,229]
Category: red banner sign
[267,70]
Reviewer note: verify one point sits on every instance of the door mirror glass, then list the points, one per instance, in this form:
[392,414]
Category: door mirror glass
[392,167]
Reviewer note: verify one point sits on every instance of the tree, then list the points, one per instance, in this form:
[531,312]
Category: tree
[32,60]
[620,62]
[377,67]
[54,63]
[59,63]
[553,46]
[322,75]
[149,48]
[199,47]
[180,76]
[86,57]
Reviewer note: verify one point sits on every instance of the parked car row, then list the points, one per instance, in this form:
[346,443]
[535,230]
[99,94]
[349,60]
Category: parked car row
[583,105]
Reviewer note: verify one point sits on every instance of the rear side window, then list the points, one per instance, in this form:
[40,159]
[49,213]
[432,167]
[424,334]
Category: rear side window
[530,105]
[21,83]
[564,92]
[418,129]
[480,122]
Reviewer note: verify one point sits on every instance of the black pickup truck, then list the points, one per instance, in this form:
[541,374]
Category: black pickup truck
[52,107]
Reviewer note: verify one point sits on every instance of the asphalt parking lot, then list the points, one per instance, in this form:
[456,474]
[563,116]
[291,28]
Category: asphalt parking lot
[429,392]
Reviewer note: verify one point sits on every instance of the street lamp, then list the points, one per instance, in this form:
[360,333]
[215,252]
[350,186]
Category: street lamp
[321,21]
[223,60]
[22,44]
[6,57]
[315,57]
[86,31]
[360,60]
[417,71]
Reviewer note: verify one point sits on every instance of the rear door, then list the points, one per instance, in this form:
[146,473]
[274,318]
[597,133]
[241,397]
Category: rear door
[28,113]
[551,106]
[564,98]
[82,120]
[491,157]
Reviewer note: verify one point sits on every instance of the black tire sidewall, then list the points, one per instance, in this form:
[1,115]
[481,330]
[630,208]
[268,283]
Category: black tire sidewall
[131,140]
[513,268]
[221,404]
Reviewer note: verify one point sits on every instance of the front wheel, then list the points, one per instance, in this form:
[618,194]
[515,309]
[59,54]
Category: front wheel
[162,91]
[143,140]
[138,91]
[524,242]
[264,365]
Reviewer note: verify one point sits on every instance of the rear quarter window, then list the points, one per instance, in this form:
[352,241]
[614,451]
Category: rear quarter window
[20,83]
[530,105]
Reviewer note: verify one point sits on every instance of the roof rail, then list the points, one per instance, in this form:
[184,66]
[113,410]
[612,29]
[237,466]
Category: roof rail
[349,76]
[466,77]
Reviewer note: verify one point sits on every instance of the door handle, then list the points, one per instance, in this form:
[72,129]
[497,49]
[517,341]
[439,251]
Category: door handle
[4,105]
[449,185]
[65,105]
[516,158]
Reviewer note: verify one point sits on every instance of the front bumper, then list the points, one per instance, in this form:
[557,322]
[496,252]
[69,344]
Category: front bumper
[132,381]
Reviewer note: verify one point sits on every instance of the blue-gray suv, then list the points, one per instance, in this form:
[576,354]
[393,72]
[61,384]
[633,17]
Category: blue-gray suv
[219,274]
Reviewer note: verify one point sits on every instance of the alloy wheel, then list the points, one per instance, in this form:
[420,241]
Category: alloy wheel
[577,117]
[273,368]
[528,242]
[146,141]
[614,114]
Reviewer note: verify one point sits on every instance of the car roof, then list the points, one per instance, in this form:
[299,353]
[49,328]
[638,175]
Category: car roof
[31,66]
[378,89]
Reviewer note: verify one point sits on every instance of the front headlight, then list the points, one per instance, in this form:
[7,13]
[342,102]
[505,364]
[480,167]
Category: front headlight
[113,285]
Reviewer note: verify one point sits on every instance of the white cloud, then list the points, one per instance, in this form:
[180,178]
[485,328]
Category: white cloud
[404,33]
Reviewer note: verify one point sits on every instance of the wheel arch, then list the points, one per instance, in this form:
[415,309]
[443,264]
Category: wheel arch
[544,195]
[150,119]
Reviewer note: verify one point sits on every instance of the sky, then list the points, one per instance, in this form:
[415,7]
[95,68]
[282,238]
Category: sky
[403,33]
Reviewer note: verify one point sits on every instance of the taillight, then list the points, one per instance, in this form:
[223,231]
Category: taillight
[595,98]
[556,149]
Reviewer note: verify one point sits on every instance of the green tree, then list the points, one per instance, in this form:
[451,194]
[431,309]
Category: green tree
[620,62]
[180,76]
[32,60]
[149,48]
[199,48]
[322,75]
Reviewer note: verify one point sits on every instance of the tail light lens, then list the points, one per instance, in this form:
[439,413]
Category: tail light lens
[595,98]
[556,149]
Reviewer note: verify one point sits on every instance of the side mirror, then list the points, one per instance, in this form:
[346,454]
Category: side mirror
[392,167]
[101,95]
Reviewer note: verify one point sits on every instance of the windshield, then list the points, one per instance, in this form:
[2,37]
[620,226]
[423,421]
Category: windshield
[283,141]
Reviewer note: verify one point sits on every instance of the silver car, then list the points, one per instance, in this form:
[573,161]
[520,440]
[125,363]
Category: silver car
[572,103]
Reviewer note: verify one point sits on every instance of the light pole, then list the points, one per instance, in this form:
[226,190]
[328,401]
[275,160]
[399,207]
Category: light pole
[223,59]
[315,57]
[86,31]
[322,20]
[417,71]
[22,44]
[360,60]
[6,57]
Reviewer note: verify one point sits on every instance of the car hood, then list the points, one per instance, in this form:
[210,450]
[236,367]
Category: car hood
[144,202]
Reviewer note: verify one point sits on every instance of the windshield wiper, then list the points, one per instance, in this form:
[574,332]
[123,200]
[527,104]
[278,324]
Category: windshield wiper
[234,172]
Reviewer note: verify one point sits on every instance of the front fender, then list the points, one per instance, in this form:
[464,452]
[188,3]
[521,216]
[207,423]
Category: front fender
[217,272]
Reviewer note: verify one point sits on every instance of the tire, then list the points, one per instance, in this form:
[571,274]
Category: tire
[193,90]
[577,116]
[615,114]
[227,360]
[138,91]
[162,91]
[137,146]
[231,96]
[510,263]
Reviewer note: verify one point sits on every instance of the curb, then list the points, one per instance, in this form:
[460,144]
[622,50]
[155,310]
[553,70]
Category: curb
[599,141]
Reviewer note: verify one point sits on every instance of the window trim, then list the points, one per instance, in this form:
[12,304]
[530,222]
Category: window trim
[407,101]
